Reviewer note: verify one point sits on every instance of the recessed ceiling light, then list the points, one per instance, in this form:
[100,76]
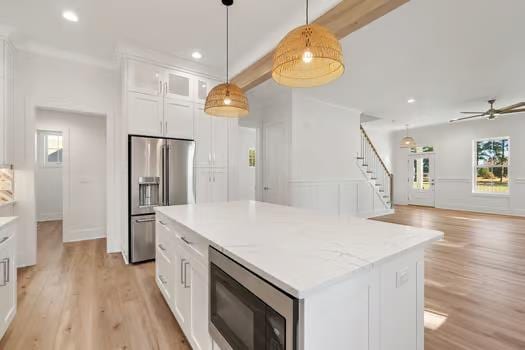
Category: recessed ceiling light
[196,54]
[70,16]
[411,100]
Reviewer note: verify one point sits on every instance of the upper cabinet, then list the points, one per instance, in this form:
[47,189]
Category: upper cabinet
[6,102]
[211,134]
[145,78]
[179,85]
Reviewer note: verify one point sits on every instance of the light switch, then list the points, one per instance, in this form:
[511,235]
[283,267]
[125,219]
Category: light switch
[401,277]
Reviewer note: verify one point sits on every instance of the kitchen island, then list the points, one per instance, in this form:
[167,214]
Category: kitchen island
[358,284]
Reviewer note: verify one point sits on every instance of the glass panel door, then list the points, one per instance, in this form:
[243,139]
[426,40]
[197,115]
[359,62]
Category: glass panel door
[179,85]
[421,179]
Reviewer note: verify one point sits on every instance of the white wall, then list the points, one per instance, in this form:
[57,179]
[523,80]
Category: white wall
[453,144]
[84,169]
[48,181]
[49,82]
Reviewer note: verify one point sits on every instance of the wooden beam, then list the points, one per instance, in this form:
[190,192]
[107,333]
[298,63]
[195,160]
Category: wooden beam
[344,19]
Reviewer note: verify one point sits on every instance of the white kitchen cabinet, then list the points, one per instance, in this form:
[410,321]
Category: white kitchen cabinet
[145,78]
[178,119]
[212,185]
[6,103]
[145,114]
[179,85]
[211,134]
[7,278]
[164,275]
[181,304]
[199,333]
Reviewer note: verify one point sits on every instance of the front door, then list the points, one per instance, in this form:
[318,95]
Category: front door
[421,179]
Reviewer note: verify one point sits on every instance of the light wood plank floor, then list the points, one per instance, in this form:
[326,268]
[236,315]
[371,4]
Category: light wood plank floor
[78,297]
[475,277]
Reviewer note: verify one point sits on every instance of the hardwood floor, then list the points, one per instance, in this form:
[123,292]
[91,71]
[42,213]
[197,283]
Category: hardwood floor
[475,277]
[79,297]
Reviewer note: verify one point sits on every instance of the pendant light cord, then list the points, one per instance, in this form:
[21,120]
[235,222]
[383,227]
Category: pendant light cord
[227,46]
[307,21]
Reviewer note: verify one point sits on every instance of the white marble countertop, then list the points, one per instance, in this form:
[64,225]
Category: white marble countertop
[6,220]
[4,204]
[298,250]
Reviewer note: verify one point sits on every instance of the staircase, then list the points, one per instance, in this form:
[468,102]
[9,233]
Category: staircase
[373,168]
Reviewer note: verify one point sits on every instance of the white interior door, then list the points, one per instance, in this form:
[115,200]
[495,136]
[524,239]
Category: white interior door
[274,164]
[421,182]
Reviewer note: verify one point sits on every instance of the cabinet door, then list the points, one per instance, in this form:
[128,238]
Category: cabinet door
[219,157]
[145,114]
[164,274]
[3,133]
[203,188]
[199,306]
[178,119]
[202,88]
[9,119]
[7,282]
[219,185]
[181,305]
[179,85]
[203,137]
[145,78]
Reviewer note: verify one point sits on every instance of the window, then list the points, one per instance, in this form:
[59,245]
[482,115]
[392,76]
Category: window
[422,149]
[491,165]
[50,148]
[421,178]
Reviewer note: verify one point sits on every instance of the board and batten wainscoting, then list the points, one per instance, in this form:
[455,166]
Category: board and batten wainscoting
[342,197]
[456,193]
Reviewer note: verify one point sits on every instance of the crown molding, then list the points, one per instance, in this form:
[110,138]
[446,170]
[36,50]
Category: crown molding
[48,51]
[125,50]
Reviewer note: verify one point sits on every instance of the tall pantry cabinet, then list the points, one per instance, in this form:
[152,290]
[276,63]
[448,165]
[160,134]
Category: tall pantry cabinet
[164,102]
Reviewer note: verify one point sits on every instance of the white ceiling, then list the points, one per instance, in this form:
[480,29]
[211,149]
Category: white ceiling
[449,55]
[173,27]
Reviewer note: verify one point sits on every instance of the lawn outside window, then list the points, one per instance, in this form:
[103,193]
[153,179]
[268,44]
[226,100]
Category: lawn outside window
[491,166]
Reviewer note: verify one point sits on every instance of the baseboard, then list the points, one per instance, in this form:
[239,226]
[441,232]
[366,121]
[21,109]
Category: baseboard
[485,210]
[124,257]
[79,235]
[375,214]
[49,217]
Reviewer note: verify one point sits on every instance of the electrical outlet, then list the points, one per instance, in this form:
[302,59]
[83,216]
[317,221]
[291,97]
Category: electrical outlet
[401,277]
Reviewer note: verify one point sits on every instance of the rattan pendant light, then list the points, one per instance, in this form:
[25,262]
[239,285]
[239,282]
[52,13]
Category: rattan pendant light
[308,56]
[407,141]
[227,99]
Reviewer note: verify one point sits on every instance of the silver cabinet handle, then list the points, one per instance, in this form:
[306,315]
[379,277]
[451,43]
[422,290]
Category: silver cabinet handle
[266,188]
[5,266]
[138,221]
[182,271]
[166,127]
[3,240]
[162,280]
[186,241]
[165,88]
[186,275]
[161,247]
[162,223]
[161,129]
[160,87]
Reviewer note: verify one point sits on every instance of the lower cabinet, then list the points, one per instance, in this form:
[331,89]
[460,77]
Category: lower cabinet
[182,277]
[7,278]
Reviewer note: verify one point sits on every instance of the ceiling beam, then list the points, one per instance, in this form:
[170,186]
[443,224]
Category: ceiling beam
[345,18]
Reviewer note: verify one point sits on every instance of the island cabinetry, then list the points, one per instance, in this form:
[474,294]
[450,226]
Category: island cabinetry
[182,277]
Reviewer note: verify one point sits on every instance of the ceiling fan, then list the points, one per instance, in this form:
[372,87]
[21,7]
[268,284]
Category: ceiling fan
[493,113]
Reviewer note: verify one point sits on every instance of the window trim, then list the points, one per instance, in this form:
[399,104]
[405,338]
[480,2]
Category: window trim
[475,166]
[42,153]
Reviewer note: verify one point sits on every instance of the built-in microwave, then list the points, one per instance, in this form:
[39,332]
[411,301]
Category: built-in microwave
[247,312]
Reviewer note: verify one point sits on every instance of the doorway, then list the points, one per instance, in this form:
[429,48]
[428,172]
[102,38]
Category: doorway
[70,173]
[275,164]
[421,182]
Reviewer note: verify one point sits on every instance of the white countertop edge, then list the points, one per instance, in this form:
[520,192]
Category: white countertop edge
[7,220]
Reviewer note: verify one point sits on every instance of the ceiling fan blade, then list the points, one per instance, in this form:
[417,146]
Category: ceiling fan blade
[466,118]
[514,106]
[472,112]
[519,110]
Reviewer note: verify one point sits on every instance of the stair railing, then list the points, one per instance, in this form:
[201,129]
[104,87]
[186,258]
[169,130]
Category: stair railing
[376,168]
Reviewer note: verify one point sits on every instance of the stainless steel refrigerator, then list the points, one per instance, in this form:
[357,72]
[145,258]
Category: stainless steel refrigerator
[160,173]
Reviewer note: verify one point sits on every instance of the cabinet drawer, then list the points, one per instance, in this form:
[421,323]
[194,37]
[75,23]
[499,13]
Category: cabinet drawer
[164,275]
[194,243]
[164,237]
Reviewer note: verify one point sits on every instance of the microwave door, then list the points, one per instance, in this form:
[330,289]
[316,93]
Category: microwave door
[180,180]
